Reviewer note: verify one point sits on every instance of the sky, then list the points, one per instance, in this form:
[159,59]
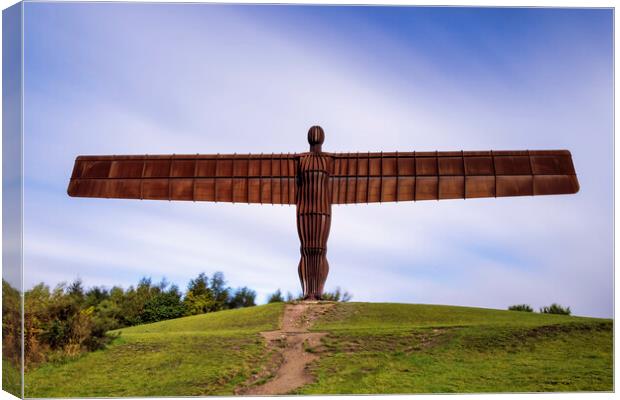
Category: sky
[136,78]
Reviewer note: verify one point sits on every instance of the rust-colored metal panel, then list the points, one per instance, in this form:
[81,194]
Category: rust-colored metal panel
[406,166]
[426,188]
[223,190]
[388,189]
[206,168]
[479,186]
[155,189]
[513,165]
[181,168]
[375,166]
[515,185]
[156,168]
[406,188]
[126,169]
[204,189]
[254,190]
[451,187]
[552,165]
[450,166]
[315,180]
[374,190]
[426,166]
[361,185]
[555,184]
[267,179]
[462,175]
[93,168]
[182,189]
[479,166]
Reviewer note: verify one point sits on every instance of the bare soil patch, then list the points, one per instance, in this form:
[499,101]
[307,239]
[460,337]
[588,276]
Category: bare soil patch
[292,351]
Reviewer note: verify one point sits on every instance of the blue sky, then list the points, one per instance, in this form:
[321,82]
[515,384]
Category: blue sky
[122,78]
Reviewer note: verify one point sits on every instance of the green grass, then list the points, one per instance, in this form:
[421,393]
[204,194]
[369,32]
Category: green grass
[409,348]
[395,317]
[370,348]
[11,377]
[241,321]
[207,354]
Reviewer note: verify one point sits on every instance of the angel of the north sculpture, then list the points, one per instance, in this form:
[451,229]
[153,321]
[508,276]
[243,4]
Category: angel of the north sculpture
[315,180]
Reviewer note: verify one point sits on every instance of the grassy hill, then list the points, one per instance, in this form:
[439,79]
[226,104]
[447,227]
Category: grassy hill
[410,348]
[370,348]
[191,356]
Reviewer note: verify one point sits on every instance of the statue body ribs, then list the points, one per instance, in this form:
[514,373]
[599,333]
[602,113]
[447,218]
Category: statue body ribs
[315,180]
[314,216]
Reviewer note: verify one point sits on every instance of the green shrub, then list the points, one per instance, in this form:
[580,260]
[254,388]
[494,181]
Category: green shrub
[521,307]
[555,309]
[60,323]
[11,324]
[70,319]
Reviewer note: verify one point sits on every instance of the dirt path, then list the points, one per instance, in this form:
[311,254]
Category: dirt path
[291,342]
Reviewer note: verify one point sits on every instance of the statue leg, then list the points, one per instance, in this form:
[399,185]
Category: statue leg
[313,266]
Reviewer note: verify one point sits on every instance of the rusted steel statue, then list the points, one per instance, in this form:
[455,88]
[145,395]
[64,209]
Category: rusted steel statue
[315,180]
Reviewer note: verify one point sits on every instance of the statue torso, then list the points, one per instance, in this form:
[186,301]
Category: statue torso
[313,189]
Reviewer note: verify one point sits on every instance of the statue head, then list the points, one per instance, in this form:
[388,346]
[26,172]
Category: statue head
[316,137]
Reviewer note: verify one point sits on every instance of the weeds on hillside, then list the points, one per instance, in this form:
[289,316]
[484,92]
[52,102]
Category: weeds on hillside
[552,309]
[555,309]
[521,307]
[337,295]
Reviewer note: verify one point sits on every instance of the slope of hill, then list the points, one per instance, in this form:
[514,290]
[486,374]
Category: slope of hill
[412,348]
[368,348]
[191,356]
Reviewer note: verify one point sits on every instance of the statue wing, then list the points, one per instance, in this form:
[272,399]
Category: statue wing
[242,178]
[382,177]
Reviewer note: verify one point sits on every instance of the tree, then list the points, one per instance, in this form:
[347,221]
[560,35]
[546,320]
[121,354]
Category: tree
[243,297]
[162,285]
[195,304]
[108,315]
[112,307]
[200,285]
[199,297]
[166,304]
[275,297]
[96,295]
[76,291]
[220,291]
[134,302]
[130,307]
